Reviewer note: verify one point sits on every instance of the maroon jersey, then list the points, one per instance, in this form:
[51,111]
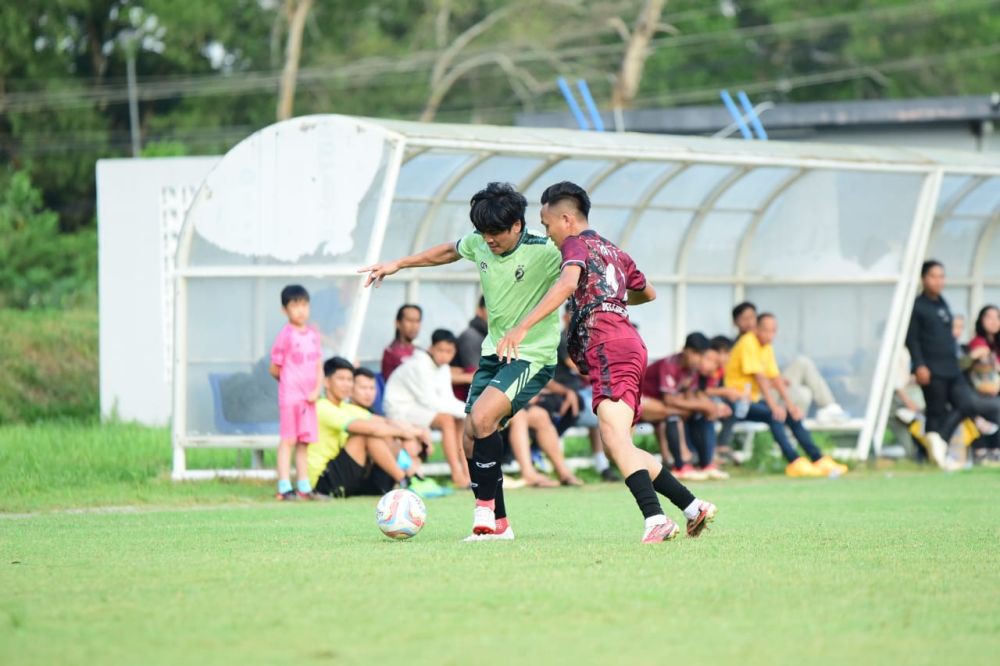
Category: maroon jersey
[598,306]
[668,376]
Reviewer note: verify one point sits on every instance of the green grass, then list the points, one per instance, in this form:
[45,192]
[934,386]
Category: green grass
[48,365]
[871,568]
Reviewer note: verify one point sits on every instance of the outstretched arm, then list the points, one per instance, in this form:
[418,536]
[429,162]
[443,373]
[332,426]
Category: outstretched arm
[553,298]
[445,253]
[645,295]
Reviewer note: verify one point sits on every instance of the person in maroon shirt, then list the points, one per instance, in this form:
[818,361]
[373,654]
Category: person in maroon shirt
[602,280]
[408,319]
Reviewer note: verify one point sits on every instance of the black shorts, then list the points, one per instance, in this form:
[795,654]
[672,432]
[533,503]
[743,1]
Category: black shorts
[344,477]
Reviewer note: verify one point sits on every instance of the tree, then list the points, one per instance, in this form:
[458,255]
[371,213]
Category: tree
[296,12]
[636,52]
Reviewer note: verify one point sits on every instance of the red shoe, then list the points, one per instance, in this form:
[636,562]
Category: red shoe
[484,520]
[304,496]
[705,515]
[662,532]
[687,472]
[287,496]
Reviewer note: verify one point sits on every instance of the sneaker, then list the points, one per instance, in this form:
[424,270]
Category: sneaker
[687,472]
[287,496]
[611,475]
[429,488]
[830,467]
[801,467]
[304,496]
[706,514]
[661,532]
[714,473]
[832,413]
[937,449]
[483,520]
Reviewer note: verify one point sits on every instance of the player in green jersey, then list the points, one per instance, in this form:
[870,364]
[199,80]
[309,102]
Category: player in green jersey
[516,269]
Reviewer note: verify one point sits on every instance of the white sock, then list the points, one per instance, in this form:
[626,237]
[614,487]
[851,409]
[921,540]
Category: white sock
[601,462]
[693,509]
[653,521]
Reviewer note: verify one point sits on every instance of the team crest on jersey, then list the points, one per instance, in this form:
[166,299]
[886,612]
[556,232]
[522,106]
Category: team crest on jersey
[483,265]
[519,273]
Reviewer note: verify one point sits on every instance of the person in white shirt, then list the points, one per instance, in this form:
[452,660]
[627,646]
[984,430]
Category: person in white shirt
[419,392]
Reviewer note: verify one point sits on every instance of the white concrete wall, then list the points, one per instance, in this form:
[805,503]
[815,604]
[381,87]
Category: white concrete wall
[140,208]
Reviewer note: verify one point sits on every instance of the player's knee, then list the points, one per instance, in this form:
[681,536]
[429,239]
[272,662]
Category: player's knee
[482,423]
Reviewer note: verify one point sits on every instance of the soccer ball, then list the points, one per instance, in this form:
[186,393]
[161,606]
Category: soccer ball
[400,514]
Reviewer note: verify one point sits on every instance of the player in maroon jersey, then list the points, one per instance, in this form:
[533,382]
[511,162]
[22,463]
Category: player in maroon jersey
[602,280]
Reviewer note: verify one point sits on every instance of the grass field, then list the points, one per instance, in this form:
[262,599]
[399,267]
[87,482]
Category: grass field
[865,569]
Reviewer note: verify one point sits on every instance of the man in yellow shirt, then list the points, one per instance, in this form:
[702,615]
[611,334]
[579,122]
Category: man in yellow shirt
[356,451]
[752,364]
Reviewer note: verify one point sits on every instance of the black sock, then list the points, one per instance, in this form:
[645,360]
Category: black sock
[484,468]
[674,440]
[473,485]
[642,489]
[672,489]
[501,509]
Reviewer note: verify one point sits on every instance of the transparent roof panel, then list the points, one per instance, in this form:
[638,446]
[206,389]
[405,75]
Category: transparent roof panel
[983,200]
[753,188]
[580,171]
[713,251]
[629,184]
[953,243]
[991,266]
[422,176]
[503,168]
[406,217]
[860,230]
[708,309]
[667,227]
[691,186]
[950,187]
[450,223]
[609,221]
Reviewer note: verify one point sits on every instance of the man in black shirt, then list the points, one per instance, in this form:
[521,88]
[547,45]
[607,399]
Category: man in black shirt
[934,357]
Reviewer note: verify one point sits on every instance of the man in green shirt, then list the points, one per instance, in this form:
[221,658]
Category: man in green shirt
[516,269]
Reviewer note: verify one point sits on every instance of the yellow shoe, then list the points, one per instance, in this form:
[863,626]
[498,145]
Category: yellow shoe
[801,467]
[830,467]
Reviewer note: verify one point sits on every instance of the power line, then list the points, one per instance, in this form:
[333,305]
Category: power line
[362,71]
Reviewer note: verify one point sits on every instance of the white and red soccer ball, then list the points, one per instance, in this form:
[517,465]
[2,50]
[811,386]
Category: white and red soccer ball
[400,514]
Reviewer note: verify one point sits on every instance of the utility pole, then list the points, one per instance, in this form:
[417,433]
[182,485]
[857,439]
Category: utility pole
[130,41]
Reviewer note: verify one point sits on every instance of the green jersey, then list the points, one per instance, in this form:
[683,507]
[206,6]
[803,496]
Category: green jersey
[513,284]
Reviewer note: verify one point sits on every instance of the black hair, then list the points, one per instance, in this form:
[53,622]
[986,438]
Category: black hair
[993,342]
[401,311]
[362,371]
[565,191]
[443,335]
[720,343]
[766,315]
[741,308]
[495,209]
[482,301]
[928,265]
[293,292]
[696,342]
[334,363]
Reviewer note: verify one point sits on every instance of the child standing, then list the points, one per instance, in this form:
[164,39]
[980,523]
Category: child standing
[297,364]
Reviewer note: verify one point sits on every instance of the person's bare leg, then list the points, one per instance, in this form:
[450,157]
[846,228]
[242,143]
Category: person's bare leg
[382,455]
[301,462]
[285,459]
[520,446]
[548,442]
[450,443]
[463,460]
[615,419]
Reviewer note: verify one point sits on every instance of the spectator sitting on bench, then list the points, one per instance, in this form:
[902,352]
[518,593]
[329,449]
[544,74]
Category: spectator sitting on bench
[416,442]
[356,451]
[419,392]
[804,382]
[752,363]
[671,392]
[408,319]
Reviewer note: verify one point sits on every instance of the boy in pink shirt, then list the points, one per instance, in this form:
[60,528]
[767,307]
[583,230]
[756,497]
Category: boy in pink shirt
[297,364]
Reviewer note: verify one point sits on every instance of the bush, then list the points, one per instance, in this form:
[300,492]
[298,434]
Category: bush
[48,365]
[39,266]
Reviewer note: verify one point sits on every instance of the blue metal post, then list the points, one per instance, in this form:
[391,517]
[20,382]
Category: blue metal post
[574,108]
[588,101]
[758,127]
[727,99]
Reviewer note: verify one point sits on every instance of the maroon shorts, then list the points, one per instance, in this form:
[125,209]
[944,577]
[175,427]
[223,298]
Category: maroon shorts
[616,368]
